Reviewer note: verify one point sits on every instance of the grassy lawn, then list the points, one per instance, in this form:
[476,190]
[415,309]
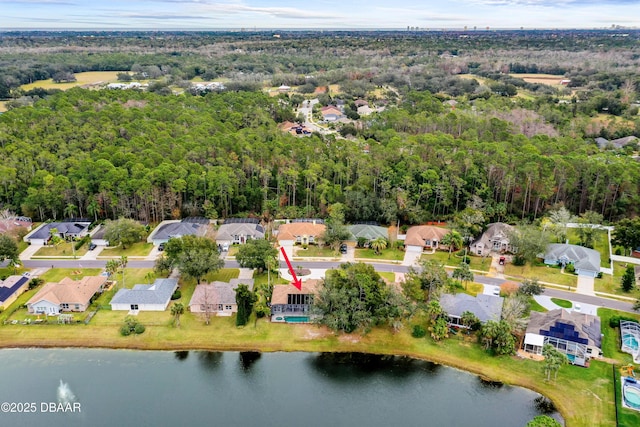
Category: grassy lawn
[541,272]
[233,250]
[562,302]
[389,276]
[388,254]
[10,271]
[137,249]
[534,306]
[315,251]
[63,249]
[57,274]
[261,279]
[473,288]
[583,396]
[477,263]
[600,243]
[611,337]
[611,284]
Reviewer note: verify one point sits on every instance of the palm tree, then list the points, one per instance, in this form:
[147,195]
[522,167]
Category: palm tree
[70,210]
[177,309]
[463,273]
[112,266]
[452,239]
[123,261]
[378,245]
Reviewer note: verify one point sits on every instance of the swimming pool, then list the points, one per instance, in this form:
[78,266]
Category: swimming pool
[631,394]
[630,341]
[296,319]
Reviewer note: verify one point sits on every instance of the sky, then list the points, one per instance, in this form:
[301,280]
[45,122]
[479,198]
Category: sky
[316,14]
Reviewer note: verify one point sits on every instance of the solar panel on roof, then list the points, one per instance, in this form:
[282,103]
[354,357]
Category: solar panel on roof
[196,220]
[241,221]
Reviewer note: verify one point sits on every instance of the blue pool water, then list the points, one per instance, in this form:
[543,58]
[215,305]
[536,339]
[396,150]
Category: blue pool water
[631,394]
[296,319]
[630,341]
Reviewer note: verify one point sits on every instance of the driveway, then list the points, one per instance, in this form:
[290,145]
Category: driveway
[585,285]
[411,258]
[29,252]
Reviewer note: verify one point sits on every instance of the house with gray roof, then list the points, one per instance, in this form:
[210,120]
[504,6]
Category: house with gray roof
[176,229]
[153,297]
[68,230]
[238,231]
[586,261]
[575,334]
[485,307]
[494,239]
[368,232]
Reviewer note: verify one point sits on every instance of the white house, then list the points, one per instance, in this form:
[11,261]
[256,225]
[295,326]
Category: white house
[154,297]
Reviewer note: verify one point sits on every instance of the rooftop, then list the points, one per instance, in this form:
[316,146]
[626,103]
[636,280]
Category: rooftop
[69,290]
[568,325]
[280,292]
[158,293]
[485,307]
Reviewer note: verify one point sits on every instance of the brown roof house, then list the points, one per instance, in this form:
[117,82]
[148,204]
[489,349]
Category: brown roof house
[494,239]
[217,298]
[422,237]
[303,232]
[66,295]
[331,113]
[292,305]
[575,334]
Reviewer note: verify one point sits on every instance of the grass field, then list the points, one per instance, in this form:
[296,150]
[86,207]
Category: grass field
[612,284]
[88,78]
[137,249]
[541,272]
[64,249]
[547,79]
[314,251]
[386,254]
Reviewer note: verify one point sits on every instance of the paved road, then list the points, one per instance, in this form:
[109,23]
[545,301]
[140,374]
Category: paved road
[557,293]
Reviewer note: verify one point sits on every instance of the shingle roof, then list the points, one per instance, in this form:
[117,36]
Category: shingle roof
[485,307]
[583,258]
[213,293]
[235,282]
[179,229]
[295,229]
[158,293]
[10,285]
[417,235]
[494,230]
[227,231]
[367,231]
[69,291]
[280,292]
[571,326]
[63,228]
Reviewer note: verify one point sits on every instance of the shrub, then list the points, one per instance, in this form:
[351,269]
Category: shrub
[418,331]
[530,288]
[81,242]
[176,295]
[138,328]
[618,251]
[570,268]
[125,331]
[614,321]
[131,325]
[35,282]
[518,260]
[466,260]
[508,288]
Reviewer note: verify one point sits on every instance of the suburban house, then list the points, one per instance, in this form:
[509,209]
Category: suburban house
[66,295]
[302,231]
[154,297]
[575,334]
[11,288]
[238,231]
[97,237]
[13,223]
[616,143]
[422,237]
[331,113]
[585,261]
[68,230]
[295,129]
[494,239]
[217,298]
[485,307]
[368,232]
[176,229]
[292,305]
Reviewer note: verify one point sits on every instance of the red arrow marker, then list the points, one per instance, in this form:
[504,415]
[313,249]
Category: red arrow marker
[296,282]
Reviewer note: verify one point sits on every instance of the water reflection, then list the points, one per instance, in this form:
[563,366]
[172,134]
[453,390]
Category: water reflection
[210,360]
[248,358]
[181,355]
[347,366]
[489,384]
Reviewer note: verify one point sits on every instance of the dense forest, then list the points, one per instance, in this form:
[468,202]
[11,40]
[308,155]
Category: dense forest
[453,124]
[106,154]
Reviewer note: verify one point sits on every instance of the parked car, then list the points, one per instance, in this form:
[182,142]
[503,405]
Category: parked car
[161,247]
[343,248]
[502,260]
[92,246]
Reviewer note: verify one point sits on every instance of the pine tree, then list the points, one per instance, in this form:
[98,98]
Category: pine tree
[629,279]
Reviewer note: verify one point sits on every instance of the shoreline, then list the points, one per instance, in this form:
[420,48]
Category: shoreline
[500,373]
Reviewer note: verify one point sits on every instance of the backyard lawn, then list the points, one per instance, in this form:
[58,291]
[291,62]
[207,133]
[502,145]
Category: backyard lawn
[65,249]
[386,254]
[600,240]
[137,249]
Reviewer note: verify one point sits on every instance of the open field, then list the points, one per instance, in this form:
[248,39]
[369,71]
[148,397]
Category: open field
[547,79]
[87,78]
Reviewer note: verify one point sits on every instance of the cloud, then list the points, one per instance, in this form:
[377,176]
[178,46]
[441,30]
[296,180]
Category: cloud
[278,12]
[160,16]
[42,2]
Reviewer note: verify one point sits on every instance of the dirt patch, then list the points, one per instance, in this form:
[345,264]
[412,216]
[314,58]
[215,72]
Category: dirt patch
[312,332]
[132,103]
[349,338]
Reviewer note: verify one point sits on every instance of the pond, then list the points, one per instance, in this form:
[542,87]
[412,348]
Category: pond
[72,387]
